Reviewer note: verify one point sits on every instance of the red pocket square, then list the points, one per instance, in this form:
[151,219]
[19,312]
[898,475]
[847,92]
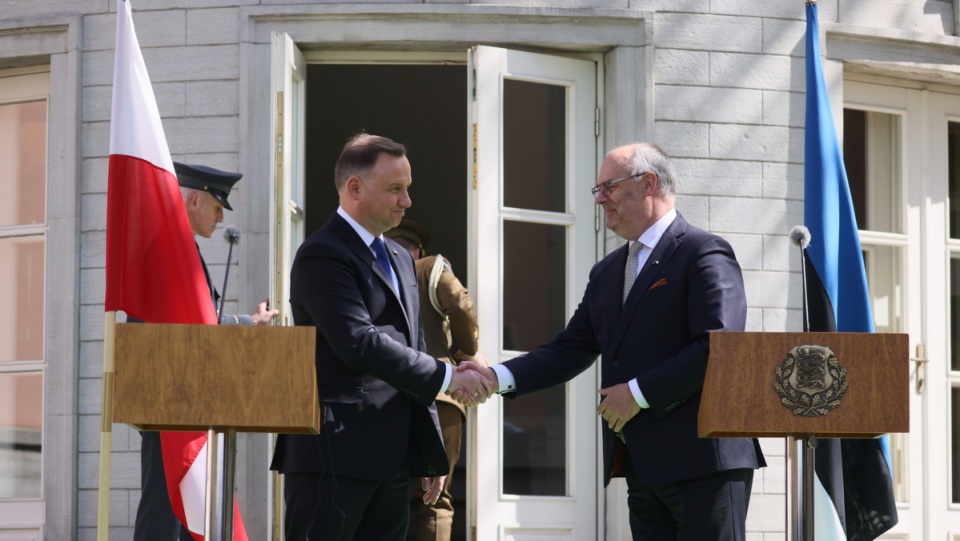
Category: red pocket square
[658,283]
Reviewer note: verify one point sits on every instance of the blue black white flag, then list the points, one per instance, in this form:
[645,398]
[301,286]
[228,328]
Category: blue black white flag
[854,496]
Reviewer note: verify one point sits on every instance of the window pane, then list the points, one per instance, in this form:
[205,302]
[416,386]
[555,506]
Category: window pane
[21,430]
[534,288]
[534,426]
[955,444]
[871,153]
[21,283]
[954,314]
[23,173]
[534,443]
[534,149]
[953,177]
[883,264]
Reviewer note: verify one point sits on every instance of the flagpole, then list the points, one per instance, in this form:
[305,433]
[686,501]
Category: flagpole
[106,426]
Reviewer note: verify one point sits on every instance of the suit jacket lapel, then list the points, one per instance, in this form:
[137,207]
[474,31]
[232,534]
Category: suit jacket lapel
[206,273]
[361,250]
[409,294]
[651,270]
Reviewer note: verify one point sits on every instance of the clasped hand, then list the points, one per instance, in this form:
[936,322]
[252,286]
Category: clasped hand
[473,381]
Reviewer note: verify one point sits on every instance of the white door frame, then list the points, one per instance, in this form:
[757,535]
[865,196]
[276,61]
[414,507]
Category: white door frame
[499,515]
[286,229]
[925,511]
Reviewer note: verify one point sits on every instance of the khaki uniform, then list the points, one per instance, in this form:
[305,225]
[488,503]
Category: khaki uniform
[443,339]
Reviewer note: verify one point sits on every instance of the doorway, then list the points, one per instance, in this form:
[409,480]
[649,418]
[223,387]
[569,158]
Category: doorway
[423,107]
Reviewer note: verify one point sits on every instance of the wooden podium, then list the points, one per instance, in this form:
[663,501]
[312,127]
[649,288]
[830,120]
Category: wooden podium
[751,390]
[219,379]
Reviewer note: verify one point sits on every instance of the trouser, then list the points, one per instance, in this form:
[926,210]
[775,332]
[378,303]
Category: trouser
[709,507]
[330,508]
[155,519]
[434,522]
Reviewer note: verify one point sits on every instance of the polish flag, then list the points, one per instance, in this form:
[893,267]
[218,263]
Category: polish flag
[153,269]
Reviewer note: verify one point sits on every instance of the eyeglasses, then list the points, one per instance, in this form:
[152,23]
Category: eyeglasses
[609,185]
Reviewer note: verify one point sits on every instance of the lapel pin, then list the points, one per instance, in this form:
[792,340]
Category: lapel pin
[395,252]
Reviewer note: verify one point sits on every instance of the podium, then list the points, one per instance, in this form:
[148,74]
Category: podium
[806,385]
[218,379]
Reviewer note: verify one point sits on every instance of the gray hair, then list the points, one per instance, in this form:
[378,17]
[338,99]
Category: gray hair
[650,157]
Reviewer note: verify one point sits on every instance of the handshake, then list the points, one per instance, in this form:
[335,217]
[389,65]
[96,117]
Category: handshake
[473,380]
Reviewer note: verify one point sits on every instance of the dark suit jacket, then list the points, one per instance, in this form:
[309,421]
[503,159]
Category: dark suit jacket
[376,385]
[690,285]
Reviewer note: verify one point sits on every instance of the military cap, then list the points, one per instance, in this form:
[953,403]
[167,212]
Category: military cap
[411,230]
[213,181]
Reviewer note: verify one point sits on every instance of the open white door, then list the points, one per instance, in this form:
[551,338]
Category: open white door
[532,223]
[288,91]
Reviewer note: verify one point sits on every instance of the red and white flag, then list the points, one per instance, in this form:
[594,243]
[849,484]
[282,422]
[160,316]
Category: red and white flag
[153,269]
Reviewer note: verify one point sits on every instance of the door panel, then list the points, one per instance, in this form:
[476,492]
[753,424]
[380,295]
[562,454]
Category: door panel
[910,253]
[288,90]
[533,162]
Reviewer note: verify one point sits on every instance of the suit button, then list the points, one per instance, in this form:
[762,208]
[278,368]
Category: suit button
[616,362]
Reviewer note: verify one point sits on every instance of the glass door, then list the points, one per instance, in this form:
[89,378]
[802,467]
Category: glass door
[532,161]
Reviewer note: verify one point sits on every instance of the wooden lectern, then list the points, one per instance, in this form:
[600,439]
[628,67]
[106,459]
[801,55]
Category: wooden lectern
[740,396]
[218,379]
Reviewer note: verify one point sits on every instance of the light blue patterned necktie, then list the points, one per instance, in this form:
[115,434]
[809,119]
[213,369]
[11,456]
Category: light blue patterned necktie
[633,264]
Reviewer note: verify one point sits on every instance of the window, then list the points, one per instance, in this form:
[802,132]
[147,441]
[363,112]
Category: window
[23,158]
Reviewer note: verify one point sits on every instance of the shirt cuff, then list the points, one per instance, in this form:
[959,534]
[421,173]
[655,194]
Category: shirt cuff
[447,377]
[637,395]
[505,379]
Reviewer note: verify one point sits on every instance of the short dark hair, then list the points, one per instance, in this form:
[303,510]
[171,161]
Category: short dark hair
[361,153]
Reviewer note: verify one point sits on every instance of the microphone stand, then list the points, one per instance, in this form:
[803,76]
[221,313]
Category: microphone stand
[221,450]
[226,275]
[809,442]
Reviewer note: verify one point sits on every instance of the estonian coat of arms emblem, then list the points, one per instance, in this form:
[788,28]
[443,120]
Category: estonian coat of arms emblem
[810,381]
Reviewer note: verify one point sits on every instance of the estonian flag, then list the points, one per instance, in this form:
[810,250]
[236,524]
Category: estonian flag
[854,492]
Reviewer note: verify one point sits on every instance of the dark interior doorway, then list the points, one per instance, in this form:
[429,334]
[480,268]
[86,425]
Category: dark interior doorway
[425,108]
[422,106]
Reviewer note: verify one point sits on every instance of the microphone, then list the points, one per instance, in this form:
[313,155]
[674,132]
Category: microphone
[231,234]
[800,236]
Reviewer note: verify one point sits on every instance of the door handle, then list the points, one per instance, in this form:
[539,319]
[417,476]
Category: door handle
[921,371]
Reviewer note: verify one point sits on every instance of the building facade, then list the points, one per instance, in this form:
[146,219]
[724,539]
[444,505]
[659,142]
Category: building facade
[507,108]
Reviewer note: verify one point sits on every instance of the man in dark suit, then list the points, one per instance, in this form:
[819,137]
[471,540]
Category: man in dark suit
[647,311]
[376,386]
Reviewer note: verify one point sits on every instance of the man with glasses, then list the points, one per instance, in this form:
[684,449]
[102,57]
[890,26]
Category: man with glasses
[647,311]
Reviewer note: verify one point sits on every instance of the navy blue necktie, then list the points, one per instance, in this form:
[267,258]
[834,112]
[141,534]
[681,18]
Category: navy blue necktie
[381,252]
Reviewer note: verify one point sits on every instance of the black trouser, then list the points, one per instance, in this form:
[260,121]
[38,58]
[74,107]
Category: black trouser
[328,508]
[709,507]
[155,518]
